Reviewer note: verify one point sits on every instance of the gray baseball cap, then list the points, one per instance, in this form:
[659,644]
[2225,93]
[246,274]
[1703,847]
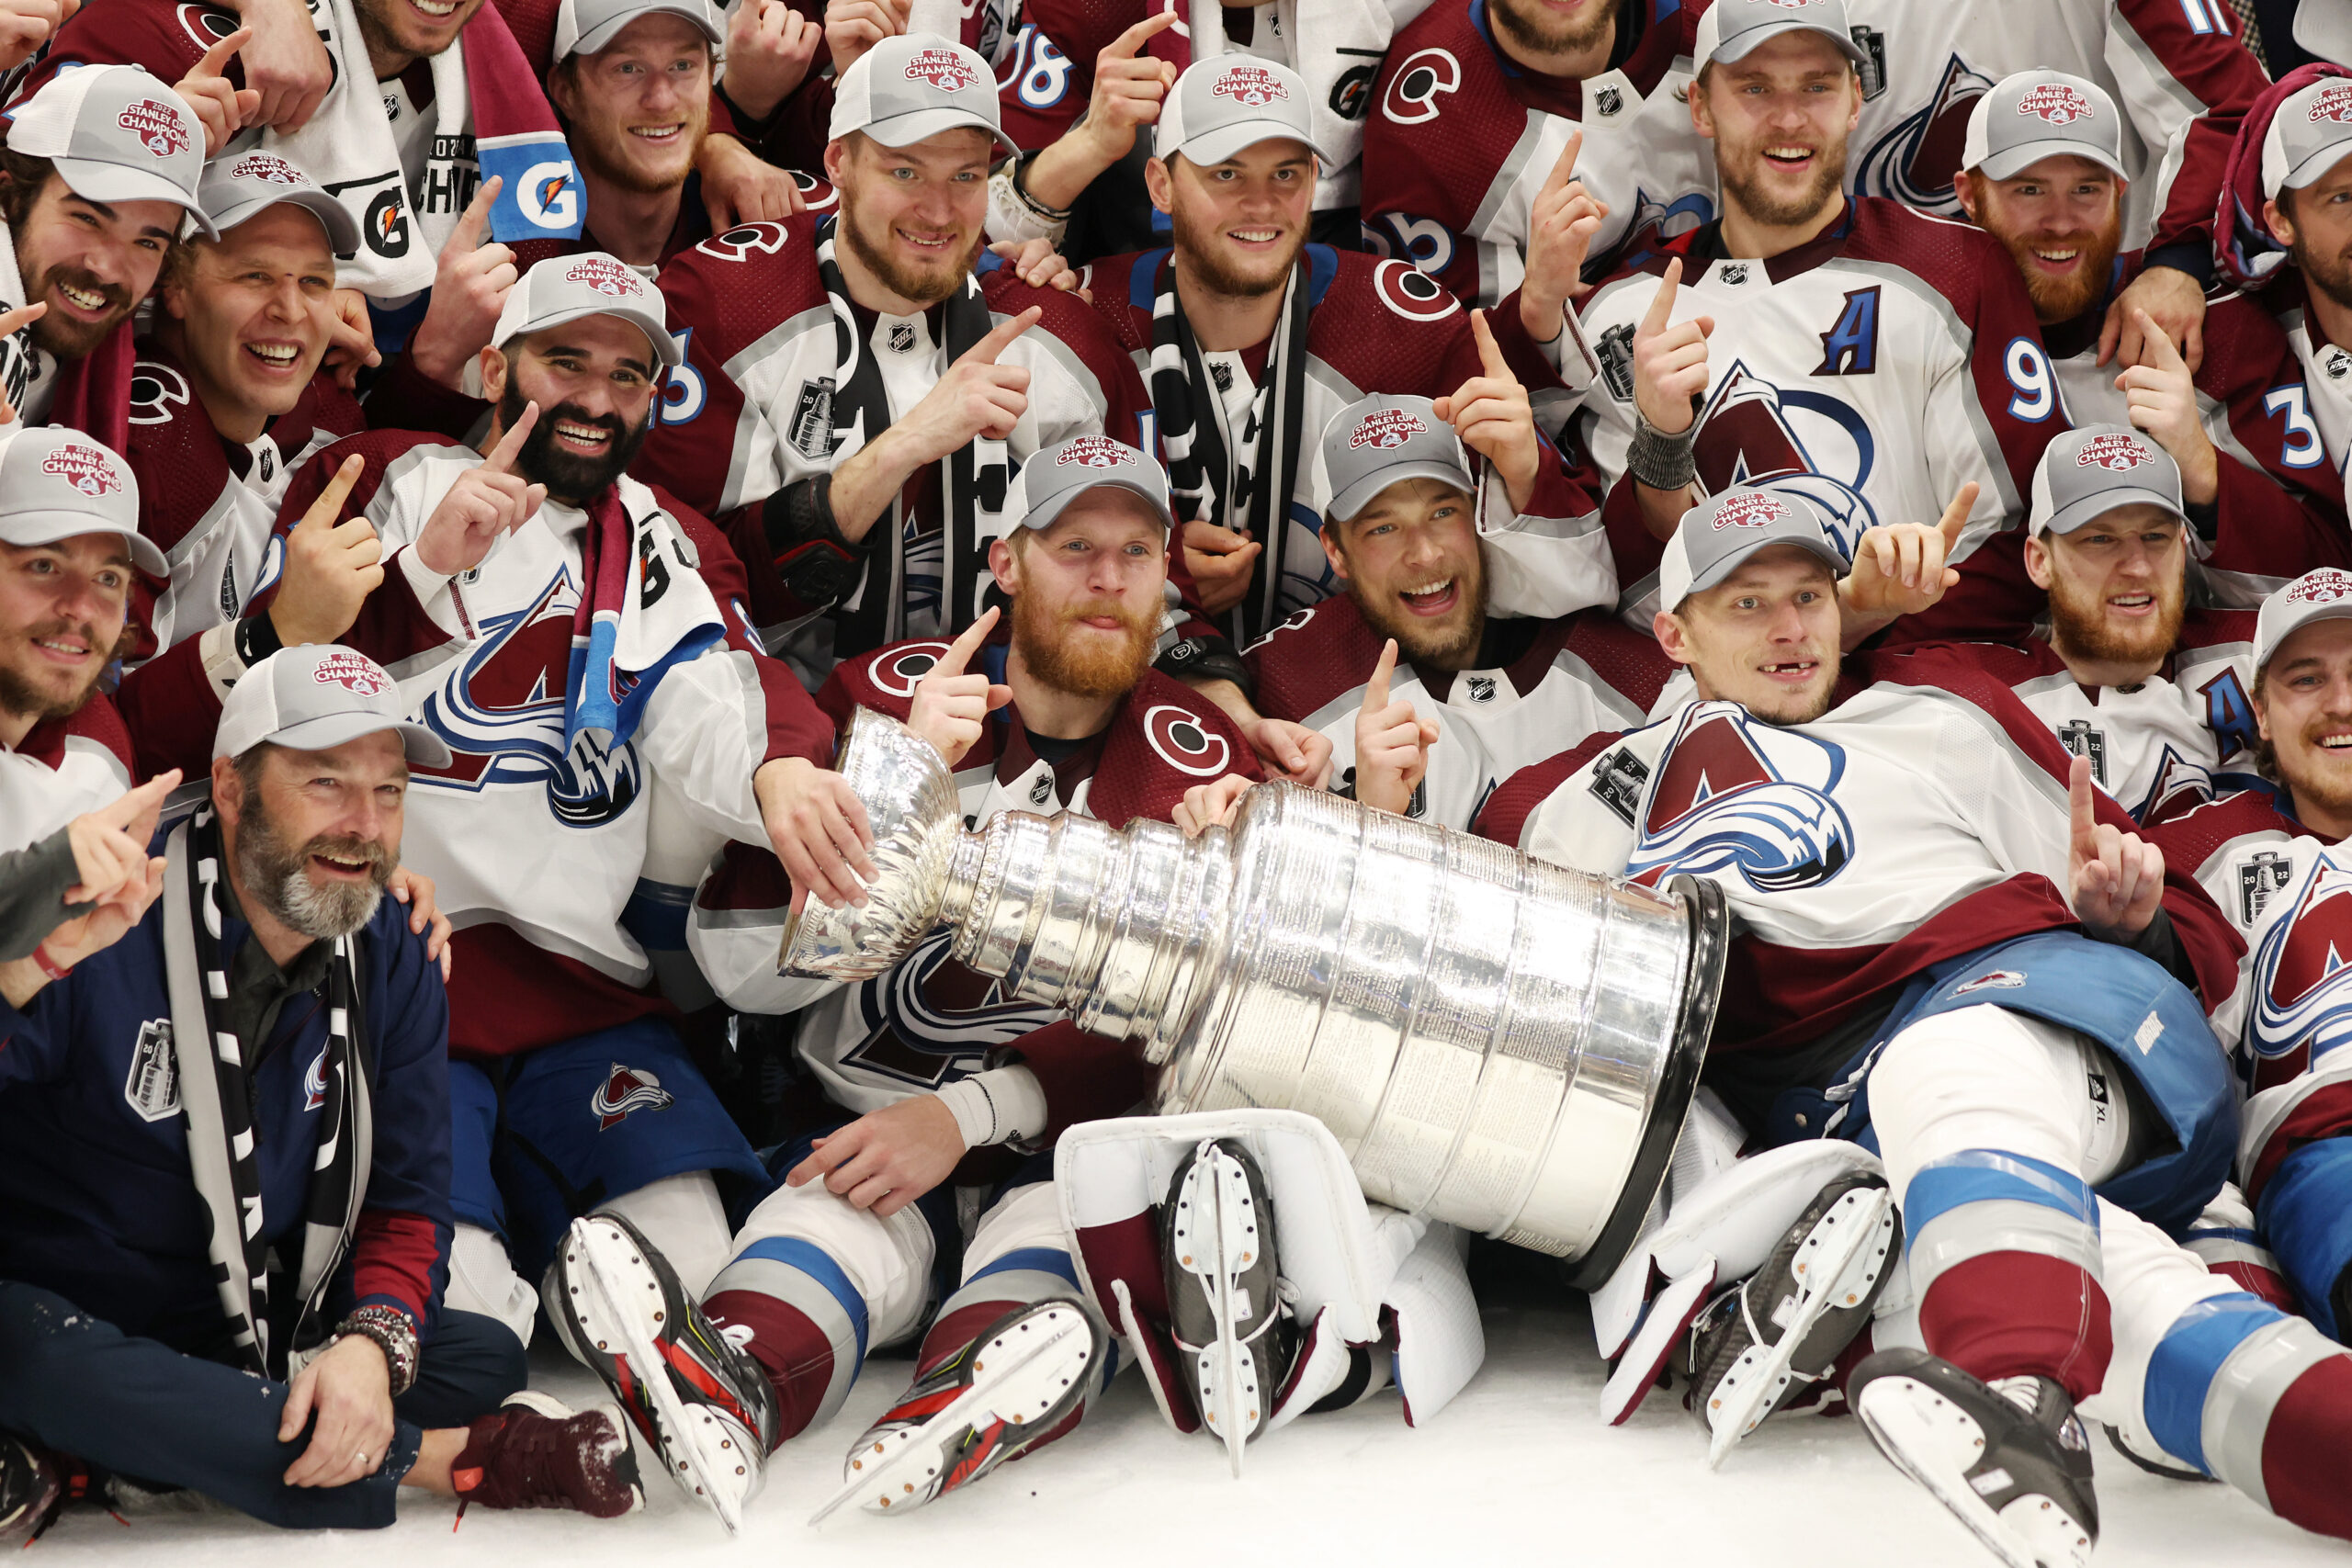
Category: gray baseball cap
[246,185]
[566,288]
[2094,468]
[2322,596]
[315,697]
[2310,132]
[1377,441]
[584,27]
[115,133]
[2039,114]
[1060,474]
[1721,532]
[1732,28]
[57,483]
[916,85]
[1228,102]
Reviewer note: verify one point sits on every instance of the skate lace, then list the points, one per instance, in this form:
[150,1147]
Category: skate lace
[2023,1391]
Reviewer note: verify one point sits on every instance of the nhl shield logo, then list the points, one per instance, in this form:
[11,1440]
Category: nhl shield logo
[902,337]
[1093,452]
[1385,430]
[2258,879]
[1733,273]
[90,469]
[1041,790]
[625,1092]
[153,1086]
[269,167]
[2056,104]
[2334,103]
[2337,363]
[1608,101]
[1750,512]
[354,672]
[1482,688]
[1252,86]
[2116,453]
[161,129]
[945,69]
[605,277]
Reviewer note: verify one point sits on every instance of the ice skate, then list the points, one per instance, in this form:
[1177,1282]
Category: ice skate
[1217,1249]
[534,1452]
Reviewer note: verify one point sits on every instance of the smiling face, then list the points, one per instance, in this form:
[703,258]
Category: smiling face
[1779,119]
[638,109]
[313,837]
[1412,566]
[89,262]
[1765,638]
[913,215]
[593,380]
[61,613]
[1087,593]
[2302,702]
[2315,225]
[1240,224]
[2117,584]
[254,311]
[2062,218]
[399,33]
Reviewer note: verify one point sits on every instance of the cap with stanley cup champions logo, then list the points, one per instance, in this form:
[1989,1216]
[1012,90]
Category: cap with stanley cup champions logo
[913,86]
[2039,114]
[115,133]
[58,484]
[586,27]
[2310,132]
[2094,468]
[1722,531]
[2322,596]
[238,186]
[1228,102]
[1059,474]
[313,698]
[567,288]
[1378,441]
[1732,28]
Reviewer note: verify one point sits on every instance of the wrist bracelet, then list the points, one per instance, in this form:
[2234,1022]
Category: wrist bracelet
[48,965]
[394,1335]
[1659,460]
[1021,188]
[258,638]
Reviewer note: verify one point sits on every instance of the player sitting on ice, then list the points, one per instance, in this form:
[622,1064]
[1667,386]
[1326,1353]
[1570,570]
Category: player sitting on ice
[2151,692]
[940,1098]
[227,1160]
[1412,627]
[1950,945]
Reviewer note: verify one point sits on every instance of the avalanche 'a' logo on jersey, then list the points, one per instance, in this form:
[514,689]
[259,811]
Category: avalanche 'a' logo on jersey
[1730,795]
[930,1019]
[2302,992]
[502,711]
[1789,439]
[1915,161]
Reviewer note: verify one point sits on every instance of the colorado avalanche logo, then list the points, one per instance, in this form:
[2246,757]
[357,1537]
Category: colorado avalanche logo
[2118,453]
[745,240]
[314,1083]
[1720,806]
[1793,440]
[161,129]
[1412,293]
[1385,430]
[89,469]
[1915,161]
[2303,997]
[156,391]
[1996,980]
[1413,91]
[896,669]
[2325,586]
[606,277]
[932,1019]
[1184,743]
[354,672]
[1750,512]
[2334,103]
[2057,104]
[945,69]
[267,166]
[625,1092]
[1252,86]
[1094,452]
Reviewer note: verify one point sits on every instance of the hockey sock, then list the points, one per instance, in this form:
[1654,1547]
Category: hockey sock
[793,1308]
[1023,1275]
[2306,1215]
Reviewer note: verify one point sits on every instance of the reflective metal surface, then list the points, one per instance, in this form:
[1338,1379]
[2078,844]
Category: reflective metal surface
[1494,1041]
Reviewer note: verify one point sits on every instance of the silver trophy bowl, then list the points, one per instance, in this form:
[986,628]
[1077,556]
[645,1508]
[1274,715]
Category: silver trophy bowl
[1496,1042]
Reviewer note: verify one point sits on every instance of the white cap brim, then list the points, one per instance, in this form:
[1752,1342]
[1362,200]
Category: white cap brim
[595,40]
[28,529]
[419,744]
[1746,43]
[1366,491]
[2016,160]
[110,183]
[342,231]
[2089,509]
[906,130]
[656,333]
[1044,513]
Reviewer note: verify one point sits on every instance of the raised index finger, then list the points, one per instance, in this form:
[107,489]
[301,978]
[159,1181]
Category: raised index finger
[466,235]
[327,511]
[2085,825]
[1565,170]
[1129,43]
[1000,337]
[1490,353]
[1662,303]
[501,456]
[216,59]
[959,652]
[1955,517]
[1376,691]
[2165,357]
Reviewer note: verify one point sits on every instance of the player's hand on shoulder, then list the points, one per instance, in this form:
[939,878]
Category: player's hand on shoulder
[415,889]
[887,1158]
[1208,805]
[741,186]
[1392,743]
[1290,750]
[2173,300]
[1038,264]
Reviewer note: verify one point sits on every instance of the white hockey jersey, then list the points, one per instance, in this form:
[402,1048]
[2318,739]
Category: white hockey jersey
[60,770]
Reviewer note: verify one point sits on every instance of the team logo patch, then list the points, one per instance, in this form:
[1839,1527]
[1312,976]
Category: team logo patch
[1412,293]
[1482,688]
[154,390]
[902,337]
[2116,453]
[1041,788]
[1413,91]
[1252,86]
[1722,806]
[1093,452]
[2057,104]
[314,1083]
[90,469]
[1385,429]
[267,166]
[945,69]
[2322,587]
[2082,740]
[812,430]
[605,277]
[1184,743]
[161,129]
[745,240]
[1733,273]
[1998,980]
[2334,103]
[624,1093]
[1618,782]
[1608,101]
[2266,873]
[2301,1002]
[153,1087]
[896,669]
[1750,512]
[2336,363]
[354,672]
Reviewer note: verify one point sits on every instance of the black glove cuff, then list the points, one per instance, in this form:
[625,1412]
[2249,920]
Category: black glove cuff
[257,639]
[816,562]
[1212,657]
[1659,460]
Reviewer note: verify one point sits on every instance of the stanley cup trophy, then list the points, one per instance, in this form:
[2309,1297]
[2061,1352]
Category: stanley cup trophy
[1495,1042]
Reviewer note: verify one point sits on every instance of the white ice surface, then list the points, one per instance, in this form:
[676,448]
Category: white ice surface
[1517,1470]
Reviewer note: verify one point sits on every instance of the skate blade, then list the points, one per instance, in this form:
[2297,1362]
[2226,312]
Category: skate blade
[1023,1372]
[1904,1417]
[1831,1279]
[606,1249]
[1215,1192]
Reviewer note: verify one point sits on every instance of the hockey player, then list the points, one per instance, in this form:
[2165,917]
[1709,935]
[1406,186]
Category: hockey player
[853,397]
[1476,103]
[235,1286]
[937,1091]
[1409,640]
[1950,939]
[2154,693]
[2044,175]
[1851,352]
